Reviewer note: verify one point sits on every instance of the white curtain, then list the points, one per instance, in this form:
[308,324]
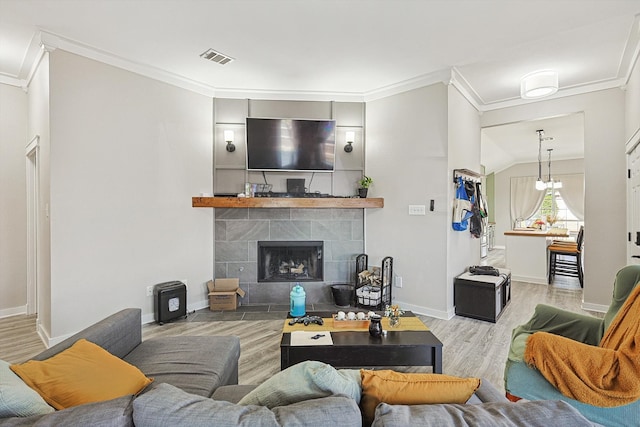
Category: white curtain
[525,199]
[572,193]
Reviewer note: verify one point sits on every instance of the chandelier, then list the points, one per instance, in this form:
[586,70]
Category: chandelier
[550,182]
[540,184]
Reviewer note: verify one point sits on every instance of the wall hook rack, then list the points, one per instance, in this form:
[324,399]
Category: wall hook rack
[466,174]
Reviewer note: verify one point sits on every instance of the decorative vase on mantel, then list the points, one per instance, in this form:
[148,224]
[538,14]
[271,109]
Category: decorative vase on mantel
[362,192]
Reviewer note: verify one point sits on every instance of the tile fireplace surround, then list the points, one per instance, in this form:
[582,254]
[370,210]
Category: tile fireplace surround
[237,231]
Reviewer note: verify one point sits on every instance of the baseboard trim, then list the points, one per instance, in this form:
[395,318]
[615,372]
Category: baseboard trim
[13,311]
[425,311]
[199,305]
[43,334]
[595,307]
[535,280]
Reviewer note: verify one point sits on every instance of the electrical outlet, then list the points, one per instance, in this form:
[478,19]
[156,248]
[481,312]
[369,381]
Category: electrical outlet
[149,291]
[417,210]
[398,281]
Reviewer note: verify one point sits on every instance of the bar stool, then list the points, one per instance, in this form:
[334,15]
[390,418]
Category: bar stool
[565,258]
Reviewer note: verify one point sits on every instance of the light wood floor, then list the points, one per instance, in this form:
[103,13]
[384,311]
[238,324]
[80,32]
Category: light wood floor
[471,347]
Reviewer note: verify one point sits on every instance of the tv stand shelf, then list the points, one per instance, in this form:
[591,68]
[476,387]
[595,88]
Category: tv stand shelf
[278,202]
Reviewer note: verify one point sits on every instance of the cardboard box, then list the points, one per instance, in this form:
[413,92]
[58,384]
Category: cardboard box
[223,294]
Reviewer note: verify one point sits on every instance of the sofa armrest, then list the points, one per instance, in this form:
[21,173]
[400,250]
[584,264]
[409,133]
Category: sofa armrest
[118,334]
[576,326]
[546,318]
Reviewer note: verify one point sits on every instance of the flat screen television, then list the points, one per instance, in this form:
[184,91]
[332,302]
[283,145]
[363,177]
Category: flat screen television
[291,144]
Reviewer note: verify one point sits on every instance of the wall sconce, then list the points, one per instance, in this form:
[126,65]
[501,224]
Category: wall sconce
[350,137]
[228,137]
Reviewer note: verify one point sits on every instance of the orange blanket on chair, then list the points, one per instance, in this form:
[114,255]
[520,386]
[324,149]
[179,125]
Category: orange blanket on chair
[607,375]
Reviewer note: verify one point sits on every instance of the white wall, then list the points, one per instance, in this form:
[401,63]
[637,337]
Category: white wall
[632,137]
[13,212]
[502,187]
[464,153]
[406,155]
[605,176]
[127,155]
[632,105]
[38,125]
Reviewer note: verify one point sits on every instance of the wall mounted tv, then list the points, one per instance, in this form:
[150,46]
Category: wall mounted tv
[291,145]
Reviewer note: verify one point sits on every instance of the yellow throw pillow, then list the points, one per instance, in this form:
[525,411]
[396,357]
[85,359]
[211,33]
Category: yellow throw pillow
[396,388]
[83,373]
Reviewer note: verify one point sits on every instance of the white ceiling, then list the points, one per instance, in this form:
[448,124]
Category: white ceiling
[336,49]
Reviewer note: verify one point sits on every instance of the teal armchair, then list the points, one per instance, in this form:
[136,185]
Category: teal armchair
[523,381]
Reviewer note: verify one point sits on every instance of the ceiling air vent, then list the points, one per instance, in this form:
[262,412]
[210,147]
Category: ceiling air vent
[212,55]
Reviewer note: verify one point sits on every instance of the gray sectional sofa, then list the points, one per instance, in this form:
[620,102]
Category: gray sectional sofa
[195,384]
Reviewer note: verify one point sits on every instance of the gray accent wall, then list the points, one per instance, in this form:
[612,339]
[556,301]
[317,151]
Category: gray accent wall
[239,230]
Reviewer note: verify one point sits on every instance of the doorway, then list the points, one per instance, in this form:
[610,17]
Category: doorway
[633,205]
[32,168]
[511,151]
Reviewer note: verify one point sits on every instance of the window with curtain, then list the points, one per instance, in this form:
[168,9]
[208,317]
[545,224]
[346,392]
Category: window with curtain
[555,208]
[565,205]
[525,199]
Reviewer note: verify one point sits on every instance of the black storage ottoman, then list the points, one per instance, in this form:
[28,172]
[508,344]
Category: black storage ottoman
[482,297]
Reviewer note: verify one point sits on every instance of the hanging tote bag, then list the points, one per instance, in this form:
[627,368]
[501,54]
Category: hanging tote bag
[461,208]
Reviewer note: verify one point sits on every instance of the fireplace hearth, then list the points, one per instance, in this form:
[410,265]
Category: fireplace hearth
[286,261]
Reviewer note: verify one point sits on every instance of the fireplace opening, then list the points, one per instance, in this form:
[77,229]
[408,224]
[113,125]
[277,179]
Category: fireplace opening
[282,261]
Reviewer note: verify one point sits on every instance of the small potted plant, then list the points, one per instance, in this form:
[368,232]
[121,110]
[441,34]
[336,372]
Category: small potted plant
[364,183]
[393,312]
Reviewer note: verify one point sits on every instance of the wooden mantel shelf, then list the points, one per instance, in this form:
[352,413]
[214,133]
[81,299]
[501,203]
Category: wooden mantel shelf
[286,202]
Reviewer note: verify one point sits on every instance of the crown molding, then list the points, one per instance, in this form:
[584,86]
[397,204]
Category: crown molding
[12,81]
[286,95]
[49,42]
[631,51]
[466,90]
[54,41]
[563,93]
[440,76]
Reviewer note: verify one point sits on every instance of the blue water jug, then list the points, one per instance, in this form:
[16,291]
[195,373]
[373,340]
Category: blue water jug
[297,298]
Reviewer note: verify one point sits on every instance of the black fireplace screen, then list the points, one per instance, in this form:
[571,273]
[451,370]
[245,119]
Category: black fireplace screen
[282,261]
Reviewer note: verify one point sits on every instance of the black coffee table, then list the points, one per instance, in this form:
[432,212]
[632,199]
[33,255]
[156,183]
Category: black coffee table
[353,349]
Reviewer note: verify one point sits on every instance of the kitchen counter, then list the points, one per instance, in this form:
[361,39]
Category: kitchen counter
[532,232]
[525,256]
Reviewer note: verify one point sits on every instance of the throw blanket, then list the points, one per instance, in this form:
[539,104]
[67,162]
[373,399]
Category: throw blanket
[606,376]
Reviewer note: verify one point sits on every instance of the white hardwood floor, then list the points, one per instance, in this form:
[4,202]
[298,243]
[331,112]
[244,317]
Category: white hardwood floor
[471,347]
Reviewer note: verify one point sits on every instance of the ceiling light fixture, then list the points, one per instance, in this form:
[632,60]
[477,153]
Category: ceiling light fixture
[540,184]
[539,84]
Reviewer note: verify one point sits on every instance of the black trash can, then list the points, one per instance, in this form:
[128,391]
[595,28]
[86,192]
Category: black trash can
[342,295]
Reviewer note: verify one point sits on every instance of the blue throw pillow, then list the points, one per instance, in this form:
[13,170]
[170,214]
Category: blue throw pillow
[304,381]
[18,399]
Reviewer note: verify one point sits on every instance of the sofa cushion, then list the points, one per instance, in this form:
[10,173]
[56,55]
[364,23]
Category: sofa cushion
[83,373]
[412,389]
[303,381]
[495,414]
[165,405]
[18,399]
[110,413]
[196,364]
